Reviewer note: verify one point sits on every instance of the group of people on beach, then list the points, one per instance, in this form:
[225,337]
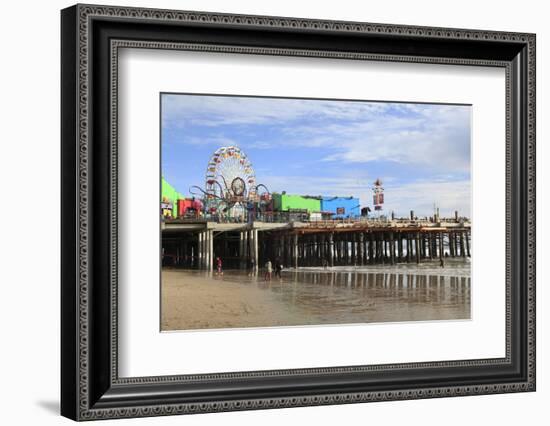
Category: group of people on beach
[268,268]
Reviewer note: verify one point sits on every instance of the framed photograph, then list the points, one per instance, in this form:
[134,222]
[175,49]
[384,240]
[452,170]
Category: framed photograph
[263,212]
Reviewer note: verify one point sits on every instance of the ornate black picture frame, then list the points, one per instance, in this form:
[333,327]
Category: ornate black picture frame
[91,36]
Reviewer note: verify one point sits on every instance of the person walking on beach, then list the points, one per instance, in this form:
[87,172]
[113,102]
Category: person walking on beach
[219,264]
[252,265]
[268,270]
[278,269]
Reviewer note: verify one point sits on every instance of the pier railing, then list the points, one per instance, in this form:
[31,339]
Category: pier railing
[424,221]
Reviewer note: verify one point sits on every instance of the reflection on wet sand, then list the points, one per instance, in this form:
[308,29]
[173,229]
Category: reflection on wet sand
[198,300]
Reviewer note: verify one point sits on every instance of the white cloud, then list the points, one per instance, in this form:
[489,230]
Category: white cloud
[422,196]
[432,137]
[214,140]
[216,111]
[438,138]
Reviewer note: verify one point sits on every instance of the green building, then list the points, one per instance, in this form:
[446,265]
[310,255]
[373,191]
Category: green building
[285,202]
[170,195]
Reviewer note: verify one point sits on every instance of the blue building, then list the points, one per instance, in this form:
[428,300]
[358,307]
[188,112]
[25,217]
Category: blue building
[341,207]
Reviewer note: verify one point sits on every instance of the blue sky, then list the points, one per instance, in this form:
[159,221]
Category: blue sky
[327,147]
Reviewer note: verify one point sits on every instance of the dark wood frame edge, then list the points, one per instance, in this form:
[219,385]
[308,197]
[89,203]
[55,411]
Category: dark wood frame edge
[88,390]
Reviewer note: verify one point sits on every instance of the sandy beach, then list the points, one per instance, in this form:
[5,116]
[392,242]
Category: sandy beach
[199,300]
[196,300]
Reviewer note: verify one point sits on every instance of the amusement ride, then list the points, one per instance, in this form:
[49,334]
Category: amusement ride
[230,189]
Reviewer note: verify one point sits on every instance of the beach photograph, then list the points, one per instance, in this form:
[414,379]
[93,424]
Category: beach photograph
[278,212]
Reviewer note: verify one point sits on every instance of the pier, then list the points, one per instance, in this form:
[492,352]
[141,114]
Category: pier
[359,242]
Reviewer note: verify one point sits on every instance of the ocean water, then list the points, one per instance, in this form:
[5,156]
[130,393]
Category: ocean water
[366,294]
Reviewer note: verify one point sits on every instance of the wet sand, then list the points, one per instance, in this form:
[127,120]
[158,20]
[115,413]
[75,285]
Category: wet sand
[308,296]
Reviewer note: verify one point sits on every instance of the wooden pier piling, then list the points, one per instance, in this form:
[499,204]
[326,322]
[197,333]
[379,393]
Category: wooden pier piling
[322,243]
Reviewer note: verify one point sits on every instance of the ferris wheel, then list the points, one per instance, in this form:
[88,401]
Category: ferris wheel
[230,180]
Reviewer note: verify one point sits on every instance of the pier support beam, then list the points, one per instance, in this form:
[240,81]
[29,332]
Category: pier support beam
[295,251]
[241,250]
[303,252]
[314,247]
[243,247]
[343,248]
[392,249]
[331,249]
[441,249]
[462,252]
[315,250]
[201,250]
[289,250]
[205,250]
[253,244]
[360,248]
[371,248]
[210,250]
[423,245]
[452,245]
[399,247]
